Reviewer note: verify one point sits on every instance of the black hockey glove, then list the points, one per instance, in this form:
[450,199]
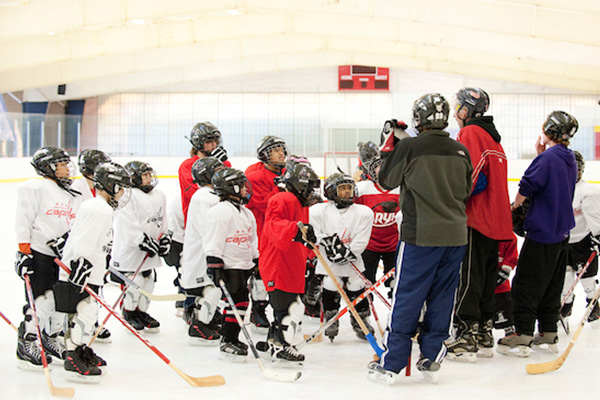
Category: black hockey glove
[215,270]
[24,264]
[310,236]
[164,244]
[219,153]
[58,244]
[149,245]
[336,251]
[503,274]
[313,284]
[80,272]
[518,217]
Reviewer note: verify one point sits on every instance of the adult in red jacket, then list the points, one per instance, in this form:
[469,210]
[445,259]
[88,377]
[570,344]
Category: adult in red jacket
[272,153]
[489,221]
[283,258]
[206,141]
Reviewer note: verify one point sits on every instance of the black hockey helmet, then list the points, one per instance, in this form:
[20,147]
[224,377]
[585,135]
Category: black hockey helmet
[267,144]
[560,125]
[112,177]
[137,169]
[228,184]
[201,132]
[471,103]
[204,169]
[89,159]
[430,111]
[46,160]
[301,180]
[333,183]
[580,164]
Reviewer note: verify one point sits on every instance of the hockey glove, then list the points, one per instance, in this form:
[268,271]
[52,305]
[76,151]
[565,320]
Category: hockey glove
[215,270]
[80,272]
[219,153]
[24,264]
[150,246]
[58,244]
[164,244]
[313,284]
[310,236]
[393,131]
[336,251]
[503,274]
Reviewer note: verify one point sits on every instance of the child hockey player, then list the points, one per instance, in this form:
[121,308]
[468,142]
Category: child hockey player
[140,237]
[85,254]
[583,240]
[173,259]
[231,247]
[272,153]
[45,213]
[342,229]
[200,313]
[549,182]
[283,258]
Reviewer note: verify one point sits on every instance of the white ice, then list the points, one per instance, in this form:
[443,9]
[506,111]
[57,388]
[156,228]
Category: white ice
[332,371]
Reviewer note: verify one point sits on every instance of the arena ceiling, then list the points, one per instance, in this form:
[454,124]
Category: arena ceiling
[112,46]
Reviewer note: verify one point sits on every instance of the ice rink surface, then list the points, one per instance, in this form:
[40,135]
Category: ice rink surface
[332,370]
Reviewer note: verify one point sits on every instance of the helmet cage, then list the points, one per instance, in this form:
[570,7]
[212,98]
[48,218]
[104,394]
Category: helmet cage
[45,161]
[580,165]
[332,189]
[228,184]
[202,132]
[267,145]
[137,170]
[112,178]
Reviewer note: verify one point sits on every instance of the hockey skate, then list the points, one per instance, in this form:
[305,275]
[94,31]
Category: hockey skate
[200,334]
[332,331]
[29,356]
[545,342]
[356,327]
[54,344]
[464,347]
[485,340]
[258,317]
[133,319]
[516,345]
[233,351]
[150,324]
[379,374]
[79,369]
[285,355]
[594,317]
[429,369]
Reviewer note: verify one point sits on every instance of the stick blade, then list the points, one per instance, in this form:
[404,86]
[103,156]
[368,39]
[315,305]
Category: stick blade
[542,368]
[317,339]
[213,380]
[67,392]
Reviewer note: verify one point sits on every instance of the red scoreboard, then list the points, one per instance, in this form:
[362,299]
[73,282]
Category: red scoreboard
[360,77]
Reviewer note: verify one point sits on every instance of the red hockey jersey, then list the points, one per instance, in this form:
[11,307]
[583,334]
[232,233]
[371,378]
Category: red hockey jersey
[263,188]
[385,206]
[507,255]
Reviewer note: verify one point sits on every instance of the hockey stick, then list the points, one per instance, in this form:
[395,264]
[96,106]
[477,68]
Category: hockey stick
[368,283]
[101,326]
[8,322]
[375,316]
[340,289]
[564,323]
[151,296]
[310,338]
[214,380]
[55,391]
[542,368]
[268,373]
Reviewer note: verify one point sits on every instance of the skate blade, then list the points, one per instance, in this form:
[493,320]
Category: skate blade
[233,358]
[27,366]
[485,352]
[519,351]
[462,357]
[105,340]
[285,364]
[151,330]
[75,377]
[545,348]
[196,341]
[387,378]
[431,377]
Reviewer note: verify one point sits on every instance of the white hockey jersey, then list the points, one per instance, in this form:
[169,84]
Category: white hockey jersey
[175,218]
[353,226]
[193,257]
[231,235]
[144,213]
[90,238]
[586,210]
[44,212]
[81,185]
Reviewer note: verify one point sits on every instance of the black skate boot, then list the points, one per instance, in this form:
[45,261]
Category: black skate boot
[54,344]
[464,346]
[151,325]
[356,327]
[429,369]
[201,334]
[79,369]
[133,319]
[282,353]
[594,317]
[29,356]
[332,331]
[231,349]
[258,316]
[103,336]
[485,340]
[92,358]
